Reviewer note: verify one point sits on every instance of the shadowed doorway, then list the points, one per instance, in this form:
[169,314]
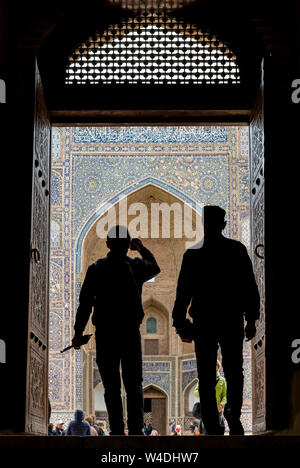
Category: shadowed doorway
[155,409]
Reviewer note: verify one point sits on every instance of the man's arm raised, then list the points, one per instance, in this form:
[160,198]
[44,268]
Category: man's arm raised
[148,266]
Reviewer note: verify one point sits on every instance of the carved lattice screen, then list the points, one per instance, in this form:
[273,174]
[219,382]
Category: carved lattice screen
[152,47]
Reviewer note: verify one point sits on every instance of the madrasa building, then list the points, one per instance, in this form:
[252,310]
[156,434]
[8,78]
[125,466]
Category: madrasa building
[94,171]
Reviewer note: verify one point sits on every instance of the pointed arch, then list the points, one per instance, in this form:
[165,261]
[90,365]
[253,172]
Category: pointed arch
[156,390]
[188,397]
[154,309]
[152,302]
[116,198]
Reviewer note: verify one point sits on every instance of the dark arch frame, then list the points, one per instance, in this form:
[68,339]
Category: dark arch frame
[30,23]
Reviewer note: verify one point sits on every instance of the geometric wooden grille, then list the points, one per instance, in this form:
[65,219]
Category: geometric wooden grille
[152,47]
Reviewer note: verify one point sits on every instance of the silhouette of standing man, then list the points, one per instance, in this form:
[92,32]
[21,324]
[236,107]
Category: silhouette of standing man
[113,286]
[217,279]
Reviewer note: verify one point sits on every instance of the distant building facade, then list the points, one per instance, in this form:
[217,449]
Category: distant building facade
[94,169]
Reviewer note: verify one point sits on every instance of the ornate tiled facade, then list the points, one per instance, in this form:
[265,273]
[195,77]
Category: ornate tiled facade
[91,168]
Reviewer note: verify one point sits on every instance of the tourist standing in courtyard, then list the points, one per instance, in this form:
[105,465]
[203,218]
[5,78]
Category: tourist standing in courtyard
[89,419]
[217,281]
[113,287]
[79,427]
[221,392]
[59,431]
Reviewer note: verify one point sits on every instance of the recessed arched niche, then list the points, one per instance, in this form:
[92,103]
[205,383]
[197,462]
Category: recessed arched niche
[155,329]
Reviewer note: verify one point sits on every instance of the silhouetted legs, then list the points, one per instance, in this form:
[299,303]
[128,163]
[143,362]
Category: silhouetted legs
[231,343]
[230,338]
[133,377]
[111,352]
[206,355]
[108,361]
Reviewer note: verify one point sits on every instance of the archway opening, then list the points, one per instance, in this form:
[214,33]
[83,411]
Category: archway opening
[156,409]
[95,170]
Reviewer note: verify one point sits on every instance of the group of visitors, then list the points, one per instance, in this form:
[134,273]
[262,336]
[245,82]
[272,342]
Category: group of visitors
[174,429]
[198,427]
[79,426]
[149,431]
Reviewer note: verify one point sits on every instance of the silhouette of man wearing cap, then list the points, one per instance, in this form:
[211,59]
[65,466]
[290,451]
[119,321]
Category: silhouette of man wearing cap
[217,281]
[113,287]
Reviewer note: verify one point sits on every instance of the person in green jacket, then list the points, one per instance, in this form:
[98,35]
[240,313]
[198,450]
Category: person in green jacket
[221,398]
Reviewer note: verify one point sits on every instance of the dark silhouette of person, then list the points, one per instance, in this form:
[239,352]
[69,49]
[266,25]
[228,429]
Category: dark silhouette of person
[217,281]
[113,287]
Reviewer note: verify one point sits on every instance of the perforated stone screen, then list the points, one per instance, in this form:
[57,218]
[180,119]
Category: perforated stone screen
[152,47]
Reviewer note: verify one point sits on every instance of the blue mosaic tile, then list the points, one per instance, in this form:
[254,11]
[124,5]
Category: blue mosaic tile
[56,190]
[161,380]
[188,377]
[187,365]
[96,180]
[150,134]
[156,366]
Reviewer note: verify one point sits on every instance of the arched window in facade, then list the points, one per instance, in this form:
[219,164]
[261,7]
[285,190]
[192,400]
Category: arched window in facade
[151,325]
[152,47]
